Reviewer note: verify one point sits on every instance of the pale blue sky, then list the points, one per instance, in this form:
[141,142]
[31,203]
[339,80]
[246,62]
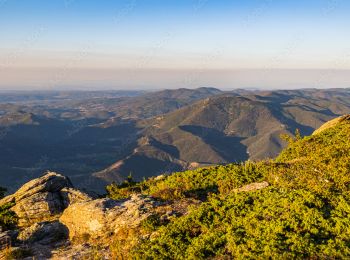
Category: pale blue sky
[153,43]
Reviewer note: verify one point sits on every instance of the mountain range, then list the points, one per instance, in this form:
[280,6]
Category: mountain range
[97,138]
[293,206]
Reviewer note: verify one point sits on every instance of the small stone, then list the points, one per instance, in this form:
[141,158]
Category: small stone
[252,187]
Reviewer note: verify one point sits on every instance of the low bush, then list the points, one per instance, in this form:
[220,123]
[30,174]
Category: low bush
[303,213]
[8,218]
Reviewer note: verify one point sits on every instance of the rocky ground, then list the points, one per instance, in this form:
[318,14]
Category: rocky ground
[57,221]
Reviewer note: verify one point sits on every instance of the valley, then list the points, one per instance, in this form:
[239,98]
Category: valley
[97,138]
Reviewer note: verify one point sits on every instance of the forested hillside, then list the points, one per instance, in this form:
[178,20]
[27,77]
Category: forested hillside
[294,206]
[100,137]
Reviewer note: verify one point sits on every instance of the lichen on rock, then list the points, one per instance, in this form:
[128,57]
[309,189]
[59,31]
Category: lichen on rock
[44,198]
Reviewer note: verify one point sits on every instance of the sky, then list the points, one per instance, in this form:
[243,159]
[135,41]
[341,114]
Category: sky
[138,44]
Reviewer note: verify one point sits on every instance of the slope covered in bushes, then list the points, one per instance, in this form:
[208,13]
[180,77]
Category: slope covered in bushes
[303,213]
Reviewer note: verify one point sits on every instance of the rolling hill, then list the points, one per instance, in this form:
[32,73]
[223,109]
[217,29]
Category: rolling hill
[97,140]
[295,206]
[225,128]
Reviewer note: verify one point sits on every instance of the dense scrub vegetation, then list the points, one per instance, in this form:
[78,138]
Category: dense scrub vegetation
[197,183]
[304,213]
[8,218]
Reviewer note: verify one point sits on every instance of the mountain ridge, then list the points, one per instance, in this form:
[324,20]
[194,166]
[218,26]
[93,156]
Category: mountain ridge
[294,206]
[85,136]
[240,122]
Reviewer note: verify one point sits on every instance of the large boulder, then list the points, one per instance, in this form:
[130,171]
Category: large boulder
[38,207]
[101,217]
[50,182]
[44,198]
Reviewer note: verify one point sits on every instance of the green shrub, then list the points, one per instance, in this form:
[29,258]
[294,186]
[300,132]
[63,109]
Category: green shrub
[8,219]
[123,190]
[267,223]
[304,213]
[151,223]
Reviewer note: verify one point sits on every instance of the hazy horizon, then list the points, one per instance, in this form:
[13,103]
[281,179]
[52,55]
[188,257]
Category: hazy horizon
[133,44]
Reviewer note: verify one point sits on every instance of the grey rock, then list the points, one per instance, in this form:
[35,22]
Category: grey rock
[44,233]
[7,238]
[252,187]
[44,199]
[70,196]
[101,217]
[50,182]
[38,207]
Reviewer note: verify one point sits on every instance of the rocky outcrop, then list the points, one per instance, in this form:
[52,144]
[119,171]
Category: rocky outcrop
[44,233]
[60,222]
[44,198]
[70,196]
[50,182]
[5,240]
[101,217]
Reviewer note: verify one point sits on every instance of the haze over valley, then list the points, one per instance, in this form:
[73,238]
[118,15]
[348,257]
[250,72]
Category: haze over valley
[97,138]
[176,129]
